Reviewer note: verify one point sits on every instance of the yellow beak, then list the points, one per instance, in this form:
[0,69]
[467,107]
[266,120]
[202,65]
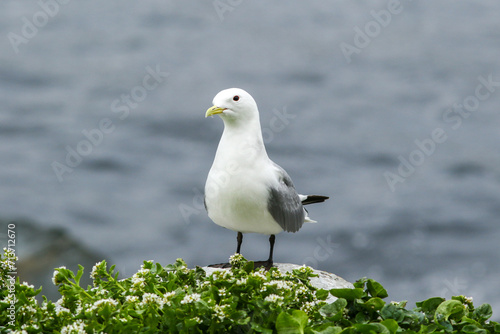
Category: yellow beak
[214,111]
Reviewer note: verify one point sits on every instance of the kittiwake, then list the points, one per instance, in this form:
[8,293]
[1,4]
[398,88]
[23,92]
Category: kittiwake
[246,191]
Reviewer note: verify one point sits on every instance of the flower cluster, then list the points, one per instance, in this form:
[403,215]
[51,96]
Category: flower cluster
[175,299]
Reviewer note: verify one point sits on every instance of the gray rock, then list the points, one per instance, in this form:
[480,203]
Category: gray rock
[41,249]
[324,280]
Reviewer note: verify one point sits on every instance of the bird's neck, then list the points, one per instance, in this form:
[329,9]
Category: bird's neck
[242,142]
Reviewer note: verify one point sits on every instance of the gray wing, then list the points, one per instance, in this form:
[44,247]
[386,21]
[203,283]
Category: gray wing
[284,203]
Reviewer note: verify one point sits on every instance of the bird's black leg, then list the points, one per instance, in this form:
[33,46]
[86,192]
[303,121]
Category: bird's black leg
[239,238]
[269,262]
[272,238]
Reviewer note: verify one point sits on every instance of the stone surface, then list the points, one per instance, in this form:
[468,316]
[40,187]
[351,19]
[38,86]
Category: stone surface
[324,280]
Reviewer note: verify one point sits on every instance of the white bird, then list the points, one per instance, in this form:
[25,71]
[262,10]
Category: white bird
[245,190]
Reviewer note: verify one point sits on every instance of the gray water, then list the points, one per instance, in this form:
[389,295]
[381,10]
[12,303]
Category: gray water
[353,117]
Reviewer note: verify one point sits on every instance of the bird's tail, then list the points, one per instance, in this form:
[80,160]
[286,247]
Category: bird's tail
[311,199]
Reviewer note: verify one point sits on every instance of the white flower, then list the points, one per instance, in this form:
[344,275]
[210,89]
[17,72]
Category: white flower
[59,302]
[222,292]
[219,312]
[235,259]
[468,300]
[223,274]
[204,284]
[258,274]
[93,274]
[77,327]
[151,298]
[301,290]
[304,269]
[308,306]
[98,303]
[131,299]
[99,291]
[280,284]
[241,281]
[55,277]
[272,298]
[10,299]
[137,282]
[27,310]
[166,299]
[79,308]
[60,309]
[28,285]
[275,273]
[191,298]
[142,272]
[169,294]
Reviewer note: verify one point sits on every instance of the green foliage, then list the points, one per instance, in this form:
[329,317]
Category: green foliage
[175,299]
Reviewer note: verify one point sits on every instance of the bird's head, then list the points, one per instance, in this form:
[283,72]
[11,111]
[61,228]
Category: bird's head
[234,105]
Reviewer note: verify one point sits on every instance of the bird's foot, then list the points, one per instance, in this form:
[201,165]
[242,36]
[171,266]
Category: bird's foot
[220,265]
[266,264]
[257,264]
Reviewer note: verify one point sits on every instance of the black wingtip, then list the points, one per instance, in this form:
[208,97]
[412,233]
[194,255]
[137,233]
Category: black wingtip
[311,199]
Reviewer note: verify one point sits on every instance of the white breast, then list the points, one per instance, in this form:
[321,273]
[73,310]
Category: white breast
[236,197]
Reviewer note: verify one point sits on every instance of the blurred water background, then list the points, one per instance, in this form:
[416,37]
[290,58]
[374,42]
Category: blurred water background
[344,89]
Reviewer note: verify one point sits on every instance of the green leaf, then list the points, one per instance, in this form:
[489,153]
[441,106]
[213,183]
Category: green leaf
[334,310]
[249,267]
[291,323]
[376,289]
[473,329]
[430,305]
[348,294]
[449,308]
[374,304]
[360,283]
[483,312]
[362,318]
[371,328]
[322,294]
[328,328]
[391,311]
[240,317]
[79,274]
[391,325]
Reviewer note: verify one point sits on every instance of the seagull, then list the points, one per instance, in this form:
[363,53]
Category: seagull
[246,191]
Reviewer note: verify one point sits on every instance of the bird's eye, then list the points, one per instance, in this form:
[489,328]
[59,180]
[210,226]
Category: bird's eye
[236,98]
